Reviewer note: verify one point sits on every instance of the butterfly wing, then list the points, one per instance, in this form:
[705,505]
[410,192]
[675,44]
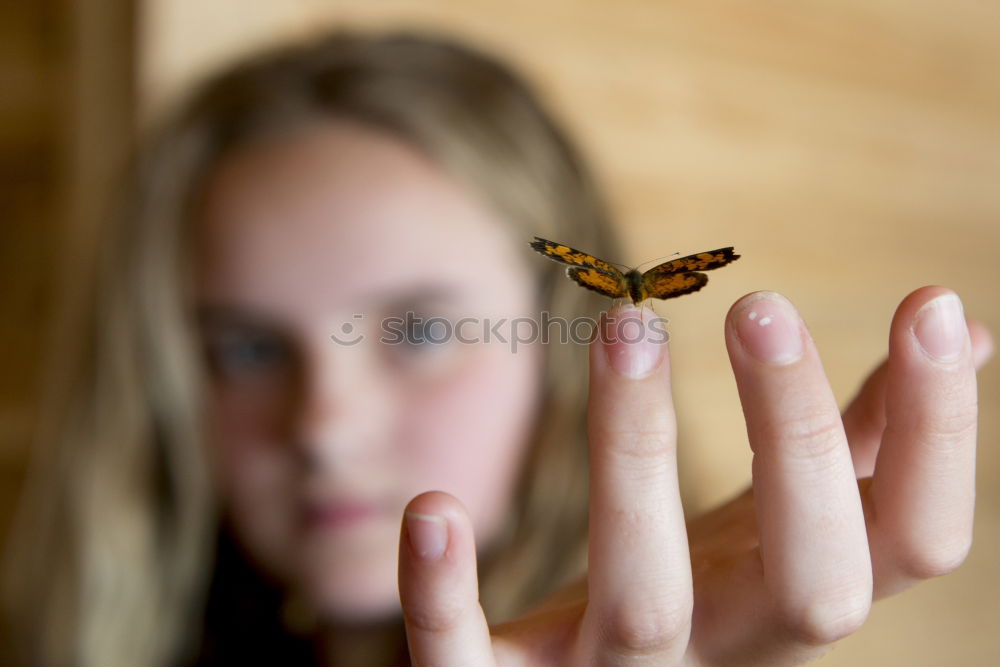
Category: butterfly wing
[567,255]
[600,282]
[670,285]
[703,261]
[680,276]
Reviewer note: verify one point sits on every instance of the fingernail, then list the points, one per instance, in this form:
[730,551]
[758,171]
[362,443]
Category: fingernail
[428,535]
[940,328]
[634,341]
[769,329]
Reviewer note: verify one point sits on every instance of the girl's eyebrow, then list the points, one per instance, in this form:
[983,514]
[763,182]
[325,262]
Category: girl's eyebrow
[211,314]
[420,295]
[415,295]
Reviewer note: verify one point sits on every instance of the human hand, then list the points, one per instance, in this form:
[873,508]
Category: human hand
[842,509]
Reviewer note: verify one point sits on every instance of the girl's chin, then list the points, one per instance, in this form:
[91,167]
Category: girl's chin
[352,590]
[310,614]
[356,607]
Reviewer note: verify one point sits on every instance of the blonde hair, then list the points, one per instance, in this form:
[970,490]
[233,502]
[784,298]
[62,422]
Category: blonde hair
[113,545]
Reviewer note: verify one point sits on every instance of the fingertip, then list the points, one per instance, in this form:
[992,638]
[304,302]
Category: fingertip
[631,342]
[427,535]
[915,300]
[438,503]
[767,326]
[744,305]
[931,321]
[981,338]
[433,522]
[750,297]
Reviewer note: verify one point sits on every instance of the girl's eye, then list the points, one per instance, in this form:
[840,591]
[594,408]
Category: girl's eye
[427,333]
[416,342]
[236,354]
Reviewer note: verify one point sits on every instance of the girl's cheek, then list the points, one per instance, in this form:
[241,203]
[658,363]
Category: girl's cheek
[246,414]
[243,436]
[468,433]
[253,474]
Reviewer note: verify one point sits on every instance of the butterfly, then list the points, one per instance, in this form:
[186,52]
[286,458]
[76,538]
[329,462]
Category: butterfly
[664,281]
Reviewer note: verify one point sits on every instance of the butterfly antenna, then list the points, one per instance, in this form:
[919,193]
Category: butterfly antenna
[656,259]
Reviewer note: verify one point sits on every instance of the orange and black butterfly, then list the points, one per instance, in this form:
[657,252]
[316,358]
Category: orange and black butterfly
[664,281]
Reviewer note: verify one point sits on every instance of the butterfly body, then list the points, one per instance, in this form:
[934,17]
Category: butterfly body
[664,281]
[636,290]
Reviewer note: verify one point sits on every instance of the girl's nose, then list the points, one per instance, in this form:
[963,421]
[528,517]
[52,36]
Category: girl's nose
[341,409]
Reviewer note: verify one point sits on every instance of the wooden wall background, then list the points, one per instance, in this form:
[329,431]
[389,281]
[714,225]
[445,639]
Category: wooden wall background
[849,149]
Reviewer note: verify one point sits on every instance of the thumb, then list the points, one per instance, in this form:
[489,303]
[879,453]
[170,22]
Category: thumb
[438,584]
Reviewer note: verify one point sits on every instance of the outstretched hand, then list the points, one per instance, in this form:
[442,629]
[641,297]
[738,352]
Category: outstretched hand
[843,509]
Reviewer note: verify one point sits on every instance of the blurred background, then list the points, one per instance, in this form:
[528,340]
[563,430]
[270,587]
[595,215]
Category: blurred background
[849,149]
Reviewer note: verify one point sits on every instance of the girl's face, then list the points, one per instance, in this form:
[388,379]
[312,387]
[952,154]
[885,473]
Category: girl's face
[327,416]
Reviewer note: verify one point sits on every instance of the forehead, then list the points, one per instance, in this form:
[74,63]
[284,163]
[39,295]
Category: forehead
[350,206]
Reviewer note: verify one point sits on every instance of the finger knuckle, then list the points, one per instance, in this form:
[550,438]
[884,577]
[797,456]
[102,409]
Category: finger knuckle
[811,435]
[929,561]
[635,632]
[827,619]
[641,444]
[951,431]
[646,444]
[438,618]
